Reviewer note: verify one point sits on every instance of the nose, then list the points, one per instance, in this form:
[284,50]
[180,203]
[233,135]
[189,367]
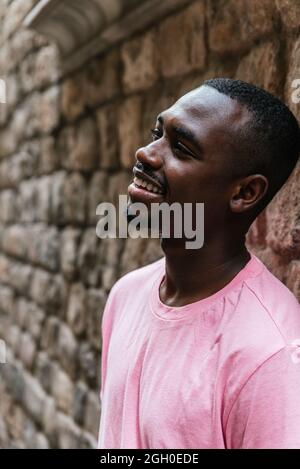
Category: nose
[148,156]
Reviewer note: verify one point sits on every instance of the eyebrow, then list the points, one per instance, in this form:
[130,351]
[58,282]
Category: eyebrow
[183,132]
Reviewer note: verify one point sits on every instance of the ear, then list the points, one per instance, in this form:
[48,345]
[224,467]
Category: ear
[248,192]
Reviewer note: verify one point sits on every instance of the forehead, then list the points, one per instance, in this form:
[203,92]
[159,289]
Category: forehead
[209,114]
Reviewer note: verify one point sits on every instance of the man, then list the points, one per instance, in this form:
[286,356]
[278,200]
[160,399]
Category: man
[200,347]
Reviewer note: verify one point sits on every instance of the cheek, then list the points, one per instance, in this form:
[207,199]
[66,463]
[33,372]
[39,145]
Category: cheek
[189,183]
[199,189]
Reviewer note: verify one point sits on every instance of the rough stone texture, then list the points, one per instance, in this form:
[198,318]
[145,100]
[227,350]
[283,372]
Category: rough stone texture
[293,74]
[140,62]
[290,13]
[129,130]
[262,67]
[73,101]
[84,153]
[102,79]
[76,312]
[234,25]
[181,41]
[283,215]
[67,143]
[108,134]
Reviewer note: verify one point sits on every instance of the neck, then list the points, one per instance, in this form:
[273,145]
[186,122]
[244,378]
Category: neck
[193,274]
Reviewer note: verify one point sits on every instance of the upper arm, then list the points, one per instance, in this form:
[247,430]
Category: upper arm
[266,413]
[106,328]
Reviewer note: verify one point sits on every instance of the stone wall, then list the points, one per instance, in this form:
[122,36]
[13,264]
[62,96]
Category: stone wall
[68,143]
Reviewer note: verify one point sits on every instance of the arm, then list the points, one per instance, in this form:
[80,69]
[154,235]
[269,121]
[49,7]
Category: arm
[106,329]
[266,413]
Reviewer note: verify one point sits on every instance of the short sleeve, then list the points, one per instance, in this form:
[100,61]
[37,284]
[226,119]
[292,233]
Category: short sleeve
[106,329]
[266,413]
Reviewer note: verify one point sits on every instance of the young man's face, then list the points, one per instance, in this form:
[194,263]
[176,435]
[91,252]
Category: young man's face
[193,143]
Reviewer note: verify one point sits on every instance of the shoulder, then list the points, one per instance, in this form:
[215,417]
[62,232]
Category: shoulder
[136,280]
[260,332]
[265,317]
[279,308]
[273,391]
[264,322]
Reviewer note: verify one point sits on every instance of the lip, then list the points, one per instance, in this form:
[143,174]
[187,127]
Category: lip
[141,174]
[140,194]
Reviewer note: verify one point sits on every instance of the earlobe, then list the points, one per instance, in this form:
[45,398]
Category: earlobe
[248,193]
[237,204]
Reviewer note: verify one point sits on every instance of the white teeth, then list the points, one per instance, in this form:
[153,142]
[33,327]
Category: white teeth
[146,185]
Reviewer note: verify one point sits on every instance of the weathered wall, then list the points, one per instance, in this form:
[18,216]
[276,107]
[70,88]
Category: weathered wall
[68,143]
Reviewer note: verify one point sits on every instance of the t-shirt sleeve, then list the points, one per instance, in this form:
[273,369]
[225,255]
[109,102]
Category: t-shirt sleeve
[106,329]
[266,413]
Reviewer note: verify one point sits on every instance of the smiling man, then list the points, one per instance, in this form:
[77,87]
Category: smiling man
[200,347]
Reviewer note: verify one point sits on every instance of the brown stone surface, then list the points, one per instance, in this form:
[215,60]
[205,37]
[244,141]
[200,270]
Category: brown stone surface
[262,67]
[102,79]
[292,92]
[129,130]
[290,13]
[72,96]
[181,41]
[140,61]
[283,234]
[107,120]
[233,25]
[68,143]
[85,148]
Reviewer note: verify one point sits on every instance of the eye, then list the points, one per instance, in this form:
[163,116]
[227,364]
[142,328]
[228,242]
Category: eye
[156,134]
[177,145]
[180,147]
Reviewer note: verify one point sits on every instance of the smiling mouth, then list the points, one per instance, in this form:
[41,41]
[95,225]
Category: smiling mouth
[139,182]
[146,182]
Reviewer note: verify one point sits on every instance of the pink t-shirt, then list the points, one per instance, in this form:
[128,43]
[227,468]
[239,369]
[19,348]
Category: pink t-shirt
[222,372]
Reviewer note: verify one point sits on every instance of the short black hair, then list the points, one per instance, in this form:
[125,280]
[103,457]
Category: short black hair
[272,143]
